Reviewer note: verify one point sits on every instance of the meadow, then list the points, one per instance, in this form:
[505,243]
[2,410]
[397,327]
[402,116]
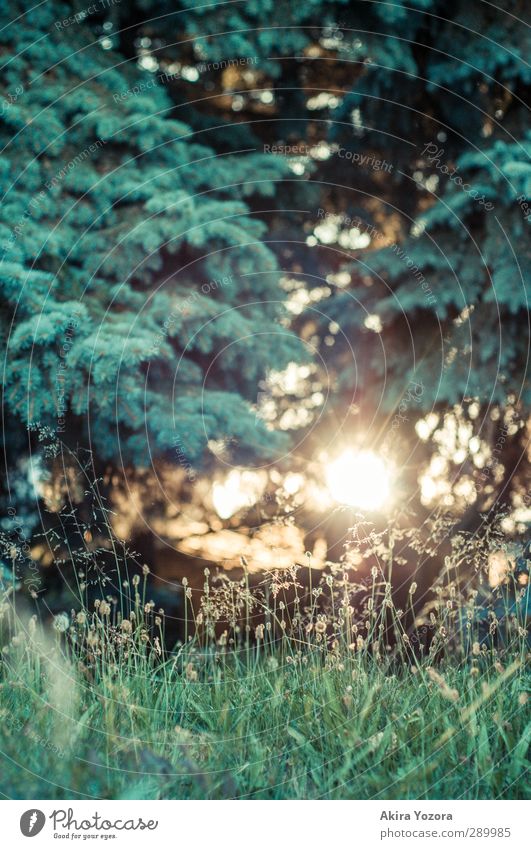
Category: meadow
[265,699]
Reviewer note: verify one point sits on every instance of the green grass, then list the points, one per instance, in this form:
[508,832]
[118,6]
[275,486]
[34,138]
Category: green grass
[101,711]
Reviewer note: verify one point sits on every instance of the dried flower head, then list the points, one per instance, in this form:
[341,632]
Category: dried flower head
[447,692]
[190,672]
[61,623]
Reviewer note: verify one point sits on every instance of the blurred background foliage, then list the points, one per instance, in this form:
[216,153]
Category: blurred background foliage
[236,316]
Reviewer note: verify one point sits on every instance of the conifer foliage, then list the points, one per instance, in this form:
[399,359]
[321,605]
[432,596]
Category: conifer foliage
[139,299]
[407,127]
[173,174]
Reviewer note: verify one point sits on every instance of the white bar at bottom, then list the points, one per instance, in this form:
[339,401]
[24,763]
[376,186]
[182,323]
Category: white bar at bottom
[230,824]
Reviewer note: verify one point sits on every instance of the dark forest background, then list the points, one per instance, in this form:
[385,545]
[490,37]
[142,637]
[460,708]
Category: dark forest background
[239,241]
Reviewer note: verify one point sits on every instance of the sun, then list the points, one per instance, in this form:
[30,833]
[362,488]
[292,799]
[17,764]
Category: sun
[359,479]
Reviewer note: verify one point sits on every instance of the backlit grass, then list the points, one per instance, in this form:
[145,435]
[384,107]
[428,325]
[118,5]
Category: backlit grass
[267,700]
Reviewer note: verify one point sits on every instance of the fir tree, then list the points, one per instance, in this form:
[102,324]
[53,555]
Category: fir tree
[140,301]
[413,188]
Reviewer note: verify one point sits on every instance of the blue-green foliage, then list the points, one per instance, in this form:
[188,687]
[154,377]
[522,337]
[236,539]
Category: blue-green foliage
[403,75]
[115,219]
[117,238]
[454,79]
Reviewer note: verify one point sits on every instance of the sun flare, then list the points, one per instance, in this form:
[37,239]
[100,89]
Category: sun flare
[359,479]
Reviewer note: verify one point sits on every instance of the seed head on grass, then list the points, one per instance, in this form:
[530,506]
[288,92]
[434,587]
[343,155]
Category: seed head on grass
[61,623]
[191,672]
[446,692]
